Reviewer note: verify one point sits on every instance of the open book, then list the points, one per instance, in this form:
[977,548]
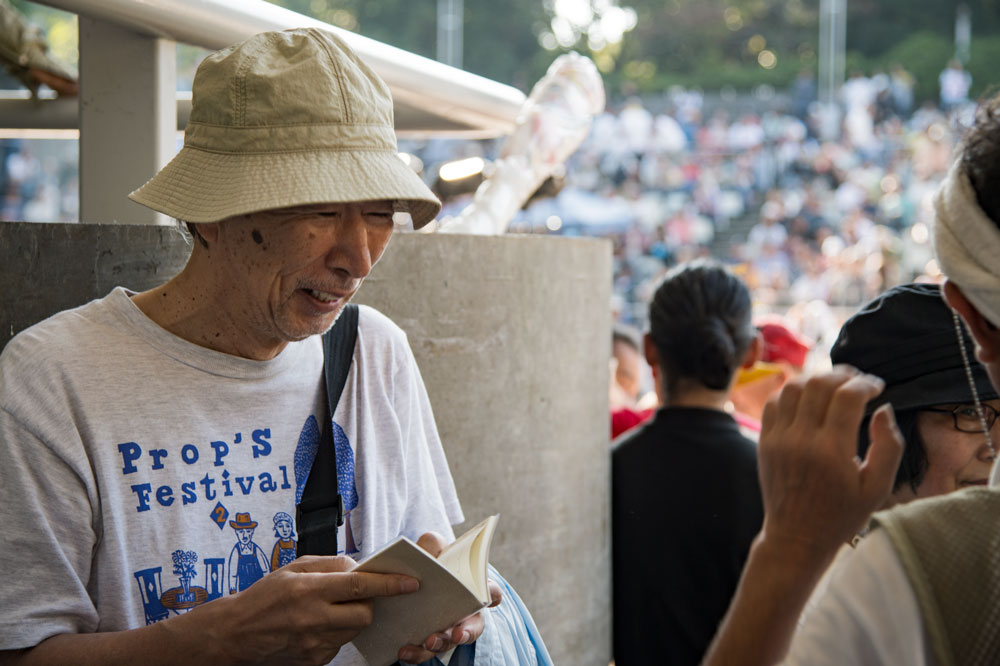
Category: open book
[452,587]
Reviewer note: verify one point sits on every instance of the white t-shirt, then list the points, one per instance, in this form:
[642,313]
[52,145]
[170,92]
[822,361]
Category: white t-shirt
[144,475]
[868,614]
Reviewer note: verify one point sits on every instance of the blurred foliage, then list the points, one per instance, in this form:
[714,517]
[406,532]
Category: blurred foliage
[60,29]
[712,43]
[698,43]
[500,38]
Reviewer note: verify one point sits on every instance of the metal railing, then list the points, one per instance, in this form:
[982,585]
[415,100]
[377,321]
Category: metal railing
[129,110]
[430,97]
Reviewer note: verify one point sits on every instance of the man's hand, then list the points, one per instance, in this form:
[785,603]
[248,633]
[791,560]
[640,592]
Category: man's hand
[302,613]
[817,495]
[463,632]
[816,491]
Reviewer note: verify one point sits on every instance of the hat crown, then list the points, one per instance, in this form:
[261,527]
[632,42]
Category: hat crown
[297,78]
[907,337]
[286,119]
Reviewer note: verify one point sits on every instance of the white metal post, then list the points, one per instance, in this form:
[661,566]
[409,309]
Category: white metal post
[128,119]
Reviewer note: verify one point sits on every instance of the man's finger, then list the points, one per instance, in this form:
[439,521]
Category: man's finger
[878,471]
[321,564]
[468,630]
[432,542]
[340,587]
[417,654]
[816,396]
[847,408]
[496,594]
[769,416]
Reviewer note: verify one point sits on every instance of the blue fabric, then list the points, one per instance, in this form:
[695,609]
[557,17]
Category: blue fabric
[510,637]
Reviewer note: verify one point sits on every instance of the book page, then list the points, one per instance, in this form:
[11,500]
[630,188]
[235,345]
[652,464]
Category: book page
[467,558]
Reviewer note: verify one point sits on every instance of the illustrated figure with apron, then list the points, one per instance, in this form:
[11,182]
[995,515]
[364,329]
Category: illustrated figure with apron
[284,548]
[247,562]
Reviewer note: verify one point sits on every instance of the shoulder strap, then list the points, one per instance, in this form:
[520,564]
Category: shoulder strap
[321,510]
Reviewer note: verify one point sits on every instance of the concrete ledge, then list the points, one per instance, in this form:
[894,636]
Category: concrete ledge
[45,268]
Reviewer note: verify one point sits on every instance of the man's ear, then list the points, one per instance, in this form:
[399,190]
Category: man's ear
[986,335]
[754,352]
[208,231]
[650,351]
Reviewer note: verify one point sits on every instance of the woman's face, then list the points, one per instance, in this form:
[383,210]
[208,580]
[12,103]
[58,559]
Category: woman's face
[955,459]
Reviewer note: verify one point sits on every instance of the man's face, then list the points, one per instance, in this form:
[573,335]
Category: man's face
[244,534]
[289,272]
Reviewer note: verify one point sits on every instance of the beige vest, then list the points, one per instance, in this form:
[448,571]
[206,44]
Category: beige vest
[950,550]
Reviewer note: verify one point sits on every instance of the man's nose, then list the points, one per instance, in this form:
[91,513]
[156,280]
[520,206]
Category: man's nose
[350,251]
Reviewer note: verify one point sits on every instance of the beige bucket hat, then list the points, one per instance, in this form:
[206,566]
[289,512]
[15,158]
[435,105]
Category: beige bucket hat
[286,119]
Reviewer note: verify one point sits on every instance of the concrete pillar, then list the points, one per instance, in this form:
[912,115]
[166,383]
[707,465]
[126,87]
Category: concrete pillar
[512,336]
[128,119]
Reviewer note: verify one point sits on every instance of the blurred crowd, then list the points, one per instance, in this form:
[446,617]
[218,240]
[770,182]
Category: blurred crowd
[818,207]
[39,180]
[808,203]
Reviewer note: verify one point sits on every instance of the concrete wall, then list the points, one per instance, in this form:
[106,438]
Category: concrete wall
[45,268]
[512,335]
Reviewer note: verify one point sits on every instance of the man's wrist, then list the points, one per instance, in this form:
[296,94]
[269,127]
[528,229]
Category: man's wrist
[789,556]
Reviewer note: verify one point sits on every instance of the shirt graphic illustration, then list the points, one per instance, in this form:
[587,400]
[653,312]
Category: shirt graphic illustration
[201,575]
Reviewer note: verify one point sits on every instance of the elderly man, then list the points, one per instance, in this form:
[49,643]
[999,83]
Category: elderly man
[922,587]
[141,424]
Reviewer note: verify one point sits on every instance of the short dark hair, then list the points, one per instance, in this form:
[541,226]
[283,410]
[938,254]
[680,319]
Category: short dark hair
[700,322]
[980,157]
[195,234]
[913,465]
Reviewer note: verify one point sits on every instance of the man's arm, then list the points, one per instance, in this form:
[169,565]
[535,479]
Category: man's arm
[817,495]
[301,614]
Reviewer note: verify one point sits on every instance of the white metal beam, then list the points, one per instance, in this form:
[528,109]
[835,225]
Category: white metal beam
[421,87]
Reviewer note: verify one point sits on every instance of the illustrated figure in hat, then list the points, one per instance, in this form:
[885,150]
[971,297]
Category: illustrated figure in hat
[247,562]
[289,183]
[922,586]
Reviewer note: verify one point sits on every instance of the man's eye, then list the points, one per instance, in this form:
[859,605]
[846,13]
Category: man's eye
[967,412]
[379,214]
[330,213]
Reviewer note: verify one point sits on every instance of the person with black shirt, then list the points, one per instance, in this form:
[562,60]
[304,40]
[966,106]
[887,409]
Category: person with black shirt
[686,501]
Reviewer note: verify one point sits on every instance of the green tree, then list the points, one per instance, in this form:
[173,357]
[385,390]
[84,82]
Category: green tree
[500,39]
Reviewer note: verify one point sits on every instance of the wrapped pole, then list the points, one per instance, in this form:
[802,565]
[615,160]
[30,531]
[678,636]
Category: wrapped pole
[553,122]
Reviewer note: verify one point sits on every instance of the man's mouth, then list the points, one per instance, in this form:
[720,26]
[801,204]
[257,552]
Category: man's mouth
[977,482]
[324,296]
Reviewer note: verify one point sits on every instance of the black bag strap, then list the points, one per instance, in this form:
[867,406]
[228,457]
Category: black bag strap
[321,510]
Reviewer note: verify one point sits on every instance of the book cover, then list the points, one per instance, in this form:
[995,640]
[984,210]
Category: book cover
[452,587]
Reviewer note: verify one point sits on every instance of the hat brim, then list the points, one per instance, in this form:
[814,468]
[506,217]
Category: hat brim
[202,186]
[937,388]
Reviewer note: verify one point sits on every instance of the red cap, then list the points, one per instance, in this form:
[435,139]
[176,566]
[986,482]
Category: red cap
[781,343]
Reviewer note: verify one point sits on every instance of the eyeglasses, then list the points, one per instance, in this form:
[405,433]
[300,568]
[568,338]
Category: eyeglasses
[966,418]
